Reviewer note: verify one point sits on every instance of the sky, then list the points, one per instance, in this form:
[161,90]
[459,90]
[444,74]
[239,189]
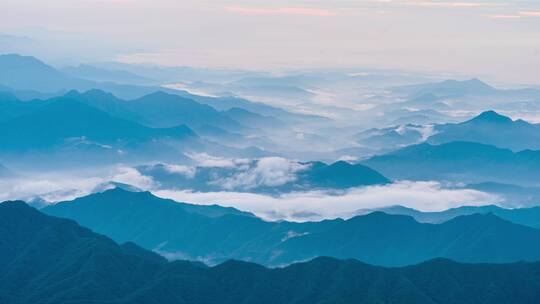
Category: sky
[498,39]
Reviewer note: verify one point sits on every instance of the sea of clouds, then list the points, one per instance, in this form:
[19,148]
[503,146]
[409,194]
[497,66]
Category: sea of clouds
[295,206]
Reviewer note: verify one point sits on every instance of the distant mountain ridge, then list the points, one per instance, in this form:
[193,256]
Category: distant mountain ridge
[466,162]
[491,128]
[457,88]
[29,77]
[377,238]
[523,216]
[488,127]
[61,119]
[50,260]
[99,126]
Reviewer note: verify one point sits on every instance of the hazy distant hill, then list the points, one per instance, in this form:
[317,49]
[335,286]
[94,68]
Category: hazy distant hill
[164,110]
[100,124]
[94,73]
[488,128]
[50,260]
[29,77]
[253,120]
[493,129]
[465,162]
[456,89]
[29,73]
[448,88]
[25,74]
[376,238]
[523,216]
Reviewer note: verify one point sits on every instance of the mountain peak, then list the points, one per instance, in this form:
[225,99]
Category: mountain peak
[476,81]
[158,94]
[121,190]
[97,93]
[16,59]
[491,117]
[12,209]
[472,83]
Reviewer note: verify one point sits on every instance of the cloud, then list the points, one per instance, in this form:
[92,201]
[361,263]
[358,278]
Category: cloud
[520,15]
[446,4]
[317,205]
[60,186]
[131,176]
[504,16]
[303,11]
[267,171]
[187,171]
[50,188]
[530,13]
[206,160]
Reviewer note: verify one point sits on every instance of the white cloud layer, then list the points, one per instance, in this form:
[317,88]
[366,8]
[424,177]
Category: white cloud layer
[207,160]
[296,206]
[59,186]
[426,196]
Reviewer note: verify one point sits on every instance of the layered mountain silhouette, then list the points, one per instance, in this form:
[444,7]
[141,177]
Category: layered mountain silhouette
[248,118]
[51,260]
[165,110]
[29,73]
[448,88]
[158,109]
[60,119]
[489,127]
[99,126]
[466,162]
[393,137]
[29,77]
[377,238]
[11,106]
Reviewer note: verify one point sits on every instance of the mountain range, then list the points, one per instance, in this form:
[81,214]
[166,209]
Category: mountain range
[62,119]
[488,127]
[448,88]
[29,77]
[522,216]
[455,89]
[45,259]
[100,127]
[465,162]
[376,238]
[491,128]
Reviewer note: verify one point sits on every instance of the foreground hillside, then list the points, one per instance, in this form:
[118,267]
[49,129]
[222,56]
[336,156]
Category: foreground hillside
[50,260]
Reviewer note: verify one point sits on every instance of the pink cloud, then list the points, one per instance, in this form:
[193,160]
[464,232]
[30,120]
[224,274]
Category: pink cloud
[530,13]
[449,4]
[520,15]
[317,12]
[505,16]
